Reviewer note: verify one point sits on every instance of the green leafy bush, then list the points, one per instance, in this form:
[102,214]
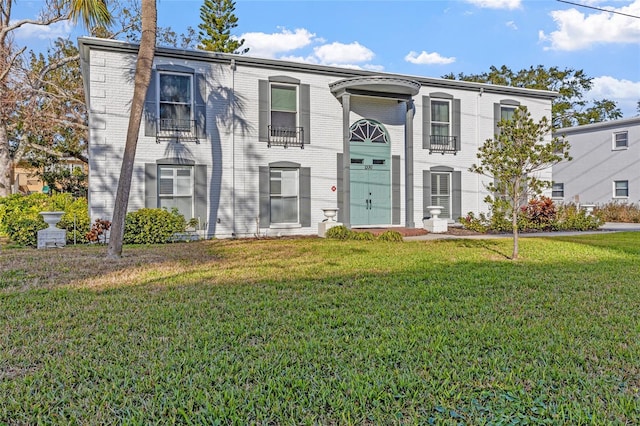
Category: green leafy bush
[390,235]
[152,226]
[340,232]
[478,224]
[571,218]
[20,218]
[363,236]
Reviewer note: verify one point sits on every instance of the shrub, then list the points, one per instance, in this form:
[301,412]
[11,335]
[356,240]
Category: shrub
[339,232]
[619,212]
[363,236]
[477,224]
[539,214]
[390,235]
[570,218]
[20,217]
[152,226]
[98,231]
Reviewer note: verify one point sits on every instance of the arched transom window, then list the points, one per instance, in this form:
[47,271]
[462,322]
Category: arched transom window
[368,131]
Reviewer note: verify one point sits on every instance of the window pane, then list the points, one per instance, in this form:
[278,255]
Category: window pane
[506,113]
[558,190]
[284,196]
[286,120]
[175,88]
[621,140]
[283,98]
[440,130]
[290,182]
[440,111]
[440,192]
[166,186]
[622,188]
[173,116]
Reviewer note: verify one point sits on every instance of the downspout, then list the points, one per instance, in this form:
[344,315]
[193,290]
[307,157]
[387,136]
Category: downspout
[233,147]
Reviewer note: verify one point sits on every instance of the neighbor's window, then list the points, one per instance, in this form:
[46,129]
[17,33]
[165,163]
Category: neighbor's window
[175,189]
[620,140]
[557,191]
[284,184]
[284,106]
[507,112]
[440,120]
[621,188]
[441,192]
[175,101]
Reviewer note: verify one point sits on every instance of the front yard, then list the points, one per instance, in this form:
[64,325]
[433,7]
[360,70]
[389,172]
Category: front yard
[313,331]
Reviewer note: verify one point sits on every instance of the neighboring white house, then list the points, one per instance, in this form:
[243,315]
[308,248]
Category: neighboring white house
[249,145]
[605,166]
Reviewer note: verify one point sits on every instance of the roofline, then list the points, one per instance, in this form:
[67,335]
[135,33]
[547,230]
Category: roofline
[600,125]
[87,43]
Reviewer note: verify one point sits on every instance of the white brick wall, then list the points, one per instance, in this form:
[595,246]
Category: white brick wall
[233,152]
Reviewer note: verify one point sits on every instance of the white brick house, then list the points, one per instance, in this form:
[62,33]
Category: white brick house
[605,166]
[250,145]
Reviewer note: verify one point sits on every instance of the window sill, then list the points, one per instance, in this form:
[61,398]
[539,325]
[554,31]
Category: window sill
[624,148]
[284,226]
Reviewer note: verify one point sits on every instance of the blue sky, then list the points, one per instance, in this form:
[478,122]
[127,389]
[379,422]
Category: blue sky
[430,38]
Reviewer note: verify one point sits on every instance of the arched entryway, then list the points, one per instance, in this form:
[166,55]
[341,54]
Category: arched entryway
[370,183]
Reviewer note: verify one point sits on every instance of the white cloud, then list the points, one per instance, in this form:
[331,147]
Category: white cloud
[497,4]
[577,30]
[425,58]
[340,53]
[44,32]
[270,45]
[624,92]
[511,25]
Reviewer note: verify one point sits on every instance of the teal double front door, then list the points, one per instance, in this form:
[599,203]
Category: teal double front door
[370,177]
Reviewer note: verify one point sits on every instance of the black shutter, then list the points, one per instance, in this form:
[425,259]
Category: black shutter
[305,196]
[264,110]
[265,199]
[200,195]
[151,106]
[305,112]
[150,185]
[456,116]
[426,121]
[200,112]
[426,192]
[456,196]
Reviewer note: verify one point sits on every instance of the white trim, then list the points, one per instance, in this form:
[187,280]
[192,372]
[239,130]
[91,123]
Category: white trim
[620,197]
[614,147]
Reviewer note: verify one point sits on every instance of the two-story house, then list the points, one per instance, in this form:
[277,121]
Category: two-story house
[260,146]
[605,166]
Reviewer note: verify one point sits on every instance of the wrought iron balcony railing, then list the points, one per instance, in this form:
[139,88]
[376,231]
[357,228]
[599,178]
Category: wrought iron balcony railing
[286,136]
[178,130]
[443,144]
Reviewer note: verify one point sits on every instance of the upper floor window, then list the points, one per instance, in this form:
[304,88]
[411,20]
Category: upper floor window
[284,116]
[175,103]
[175,108]
[621,189]
[284,107]
[441,118]
[507,112]
[621,140]
[441,123]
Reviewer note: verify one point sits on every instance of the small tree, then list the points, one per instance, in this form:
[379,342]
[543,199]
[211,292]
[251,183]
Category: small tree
[514,158]
[218,19]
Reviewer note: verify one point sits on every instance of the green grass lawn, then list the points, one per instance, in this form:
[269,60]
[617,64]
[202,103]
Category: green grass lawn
[311,331]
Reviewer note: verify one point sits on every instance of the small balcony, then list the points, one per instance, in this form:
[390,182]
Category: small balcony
[286,137]
[443,144]
[174,129]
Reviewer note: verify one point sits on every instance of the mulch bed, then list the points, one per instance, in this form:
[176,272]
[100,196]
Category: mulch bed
[413,232]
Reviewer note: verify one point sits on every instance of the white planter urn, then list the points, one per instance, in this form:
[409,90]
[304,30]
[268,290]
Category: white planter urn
[589,208]
[330,214]
[52,218]
[435,211]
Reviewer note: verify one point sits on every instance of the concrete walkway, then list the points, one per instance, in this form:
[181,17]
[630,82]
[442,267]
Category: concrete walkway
[607,227]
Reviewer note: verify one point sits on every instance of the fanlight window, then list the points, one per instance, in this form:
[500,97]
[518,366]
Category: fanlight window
[368,131]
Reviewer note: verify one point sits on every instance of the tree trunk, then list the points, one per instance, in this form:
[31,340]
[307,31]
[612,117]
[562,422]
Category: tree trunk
[514,226]
[5,163]
[142,78]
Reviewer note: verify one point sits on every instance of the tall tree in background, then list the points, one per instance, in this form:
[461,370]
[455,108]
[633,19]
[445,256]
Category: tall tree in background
[144,66]
[570,108]
[513,160]
[218,19]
